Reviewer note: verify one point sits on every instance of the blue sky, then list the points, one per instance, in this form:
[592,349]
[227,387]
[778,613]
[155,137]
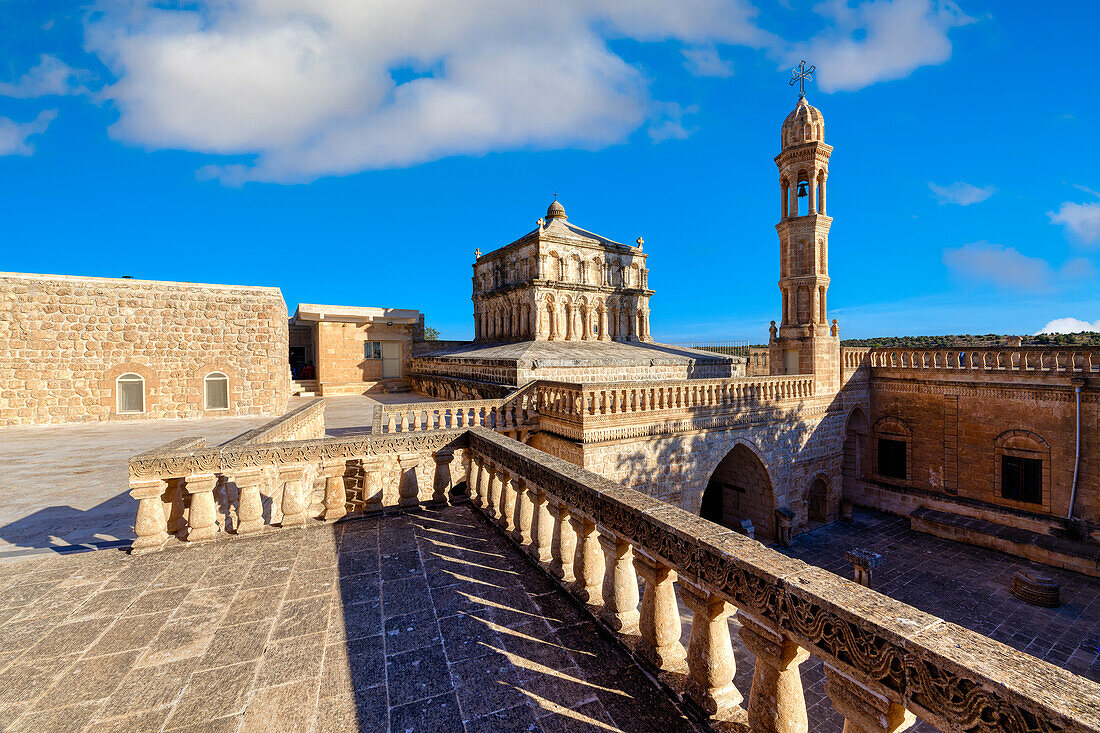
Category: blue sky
[357,153]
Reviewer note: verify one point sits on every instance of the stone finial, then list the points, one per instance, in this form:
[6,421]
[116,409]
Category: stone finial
[835,330]
[772,330]
[640,242]
[541,222]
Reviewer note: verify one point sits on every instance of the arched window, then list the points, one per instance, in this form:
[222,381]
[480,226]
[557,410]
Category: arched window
[1023,468]
[893,449]
[216,391]
[130,393]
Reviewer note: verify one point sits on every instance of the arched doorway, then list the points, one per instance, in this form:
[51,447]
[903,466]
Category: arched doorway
[817,502]
[855,437]
[740,489]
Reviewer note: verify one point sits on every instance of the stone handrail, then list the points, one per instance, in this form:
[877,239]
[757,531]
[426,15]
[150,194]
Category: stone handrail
[301,423]
[192,493]
[560,399]
[513,411]
[885,661]
[1019,359]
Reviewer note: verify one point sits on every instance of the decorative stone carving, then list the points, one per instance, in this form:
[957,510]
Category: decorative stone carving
[784,518]
[865,710]
[863,562]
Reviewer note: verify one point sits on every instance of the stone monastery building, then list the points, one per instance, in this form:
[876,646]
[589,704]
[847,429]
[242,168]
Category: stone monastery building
[997,447]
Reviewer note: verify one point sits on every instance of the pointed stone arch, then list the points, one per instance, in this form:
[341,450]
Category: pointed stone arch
[740,488]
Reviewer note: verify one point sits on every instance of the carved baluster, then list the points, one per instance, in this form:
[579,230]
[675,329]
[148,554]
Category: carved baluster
[336,496]
[485,484]
[174,507]
[865,707]
[293,503]
[249,507]
[588,562]
[372,486]
[776,701]
[202,514]
[150,526]
[508,503]
[408,490]
[496,491]
[524,511]
[710,652]
[620,583]
[564,545]
[542,538]
[659,620]
[441,482]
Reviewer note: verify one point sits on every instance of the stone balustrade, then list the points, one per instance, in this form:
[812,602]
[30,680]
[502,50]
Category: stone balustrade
[515,411]
[886,663]
[190,492]
[302,423]
[1026,359]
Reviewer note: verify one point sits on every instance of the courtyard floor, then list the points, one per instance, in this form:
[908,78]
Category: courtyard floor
[428,621]
[64,487]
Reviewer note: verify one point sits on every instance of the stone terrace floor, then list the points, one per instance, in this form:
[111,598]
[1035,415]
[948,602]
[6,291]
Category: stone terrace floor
[423,621]
[967,585]
[64,487]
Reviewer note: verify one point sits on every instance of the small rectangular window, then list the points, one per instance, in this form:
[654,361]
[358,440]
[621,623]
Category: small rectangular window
[372,349]
[1022,479]
[891,458]
[131,395]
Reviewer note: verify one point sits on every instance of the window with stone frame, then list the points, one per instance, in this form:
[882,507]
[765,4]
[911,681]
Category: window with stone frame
[892,458]
[130,394]
[1022,479]
[372,349]
[215,391]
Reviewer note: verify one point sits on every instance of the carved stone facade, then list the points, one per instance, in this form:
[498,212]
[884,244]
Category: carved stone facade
[561,283]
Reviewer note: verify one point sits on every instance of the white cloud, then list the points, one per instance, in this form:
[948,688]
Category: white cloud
[1078,268]
[51,76]
[1069,325]
[998,265]
[963,194]
[669,123]
[309,88]
[879,40]
[706,61]
[1082,220]
[14,135]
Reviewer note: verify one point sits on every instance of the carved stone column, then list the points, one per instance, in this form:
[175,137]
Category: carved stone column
[336,495]
[441,482]
[175,508]
[865,709]
[150,526]
[659,620]
[588,562]
[476,480]
[523,514]
[776,701]
[564,544]
[293,503]
[408,489]
[250,516]
[620,583]
[508,503]
[543,526]
[372,486]
[603,325]
[201,520]
[710,659]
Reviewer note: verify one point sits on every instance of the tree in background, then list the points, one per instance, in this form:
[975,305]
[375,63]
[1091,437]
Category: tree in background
[431,334]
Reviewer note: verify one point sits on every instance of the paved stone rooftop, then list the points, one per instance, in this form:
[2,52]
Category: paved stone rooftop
[64,487]
[967,585]
[558,353]
[424,621]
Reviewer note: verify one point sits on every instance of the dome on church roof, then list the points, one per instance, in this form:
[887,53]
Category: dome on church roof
[805,124]
[556,211]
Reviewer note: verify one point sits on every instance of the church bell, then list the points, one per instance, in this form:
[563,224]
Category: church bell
[803,190]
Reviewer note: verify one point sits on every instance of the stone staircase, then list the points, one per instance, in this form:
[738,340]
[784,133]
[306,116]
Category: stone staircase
[395,386]
[305,388]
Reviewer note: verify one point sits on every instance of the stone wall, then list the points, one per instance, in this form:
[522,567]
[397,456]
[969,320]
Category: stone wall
[65,340]
[959,425]
[341,364]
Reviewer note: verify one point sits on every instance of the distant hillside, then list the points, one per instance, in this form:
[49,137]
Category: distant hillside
[1084,338]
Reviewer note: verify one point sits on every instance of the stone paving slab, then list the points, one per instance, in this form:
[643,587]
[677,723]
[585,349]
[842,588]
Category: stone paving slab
[423,621]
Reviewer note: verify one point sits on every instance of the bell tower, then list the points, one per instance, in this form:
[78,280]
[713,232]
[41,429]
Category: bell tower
[804,342]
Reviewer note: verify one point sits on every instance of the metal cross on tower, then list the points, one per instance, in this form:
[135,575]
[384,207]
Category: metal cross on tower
[800,74]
